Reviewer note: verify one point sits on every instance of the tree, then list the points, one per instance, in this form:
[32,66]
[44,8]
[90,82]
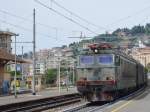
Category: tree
[148,67]
[74,46]
[64,46]
[137,30]
[18,73]
[51,76]
[116,31]
[147,28]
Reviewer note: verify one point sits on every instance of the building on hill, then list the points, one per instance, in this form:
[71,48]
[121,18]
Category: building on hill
[141,45]
[49,59]
[142,55]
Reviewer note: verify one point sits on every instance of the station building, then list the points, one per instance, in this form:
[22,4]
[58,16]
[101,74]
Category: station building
[6,57]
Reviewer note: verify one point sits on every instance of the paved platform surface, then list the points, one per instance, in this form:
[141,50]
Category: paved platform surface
[141,103]
[42,94]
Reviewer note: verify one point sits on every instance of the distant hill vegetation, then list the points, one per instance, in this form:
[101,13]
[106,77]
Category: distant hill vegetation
[119,36]
[134,31]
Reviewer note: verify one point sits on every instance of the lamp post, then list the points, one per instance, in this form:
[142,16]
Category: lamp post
[67,81]
[34,46]
[15,69]
[59,74]
[72,67]
[22,64]
[73,73]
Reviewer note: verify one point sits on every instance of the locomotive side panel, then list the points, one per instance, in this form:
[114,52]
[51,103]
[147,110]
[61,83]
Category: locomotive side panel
[141,77]
[127,75]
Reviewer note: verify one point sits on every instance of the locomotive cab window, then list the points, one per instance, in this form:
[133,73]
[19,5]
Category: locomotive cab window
[105,59]
[86,60]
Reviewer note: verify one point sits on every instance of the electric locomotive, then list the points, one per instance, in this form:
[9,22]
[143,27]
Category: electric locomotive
[104,73]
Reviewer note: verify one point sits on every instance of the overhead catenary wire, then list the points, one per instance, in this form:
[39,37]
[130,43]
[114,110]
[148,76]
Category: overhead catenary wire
[44,24]
[19,46]
[25,19]
[122,19]
[21,42]
[28,20]
[76,15]
[68,18]
[21,27]
[129,16]
[14,25]
[53,27]
[29,30]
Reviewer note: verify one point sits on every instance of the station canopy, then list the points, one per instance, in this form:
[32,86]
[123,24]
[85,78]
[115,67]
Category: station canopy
[5,57]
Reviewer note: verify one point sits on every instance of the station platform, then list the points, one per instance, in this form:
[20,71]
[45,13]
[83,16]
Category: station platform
[39,95]
[140,103]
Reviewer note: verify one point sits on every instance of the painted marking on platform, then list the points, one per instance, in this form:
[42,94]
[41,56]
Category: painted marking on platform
[124,105]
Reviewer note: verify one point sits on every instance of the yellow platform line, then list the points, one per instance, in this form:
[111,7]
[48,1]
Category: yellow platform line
[122,106]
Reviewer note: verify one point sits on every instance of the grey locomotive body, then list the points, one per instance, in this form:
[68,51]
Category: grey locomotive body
[108,74]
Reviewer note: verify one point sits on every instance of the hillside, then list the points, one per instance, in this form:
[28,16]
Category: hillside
[121,37]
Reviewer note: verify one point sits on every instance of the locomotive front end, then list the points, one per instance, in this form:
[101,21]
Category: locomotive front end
[96,77]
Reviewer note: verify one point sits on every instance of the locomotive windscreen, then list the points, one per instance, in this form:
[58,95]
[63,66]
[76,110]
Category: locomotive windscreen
[105,59]
[86,59]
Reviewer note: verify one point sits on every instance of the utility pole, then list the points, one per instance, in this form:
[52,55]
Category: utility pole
[22,63]
[67,82]
[15,77]
[33,79]
[59,74]
[73,78]
[15,70]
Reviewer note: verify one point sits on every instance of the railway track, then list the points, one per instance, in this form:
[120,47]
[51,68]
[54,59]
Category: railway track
[91,107]
[88,107]
[58,101]
[41,104]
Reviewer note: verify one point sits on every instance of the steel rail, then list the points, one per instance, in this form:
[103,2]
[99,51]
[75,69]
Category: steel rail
[41,104]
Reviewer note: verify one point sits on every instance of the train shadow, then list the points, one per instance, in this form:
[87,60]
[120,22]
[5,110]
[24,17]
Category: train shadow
[142,94]
[145,92]
[97,103]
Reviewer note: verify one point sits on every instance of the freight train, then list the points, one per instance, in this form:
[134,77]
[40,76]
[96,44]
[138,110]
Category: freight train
[105,73]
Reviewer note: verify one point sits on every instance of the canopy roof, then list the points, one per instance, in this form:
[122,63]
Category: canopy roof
[7,33]
[5,56]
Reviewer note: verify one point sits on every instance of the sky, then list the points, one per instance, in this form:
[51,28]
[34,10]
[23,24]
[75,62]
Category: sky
[53,30]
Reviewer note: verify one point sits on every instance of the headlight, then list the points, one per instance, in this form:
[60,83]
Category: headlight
[109,78]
